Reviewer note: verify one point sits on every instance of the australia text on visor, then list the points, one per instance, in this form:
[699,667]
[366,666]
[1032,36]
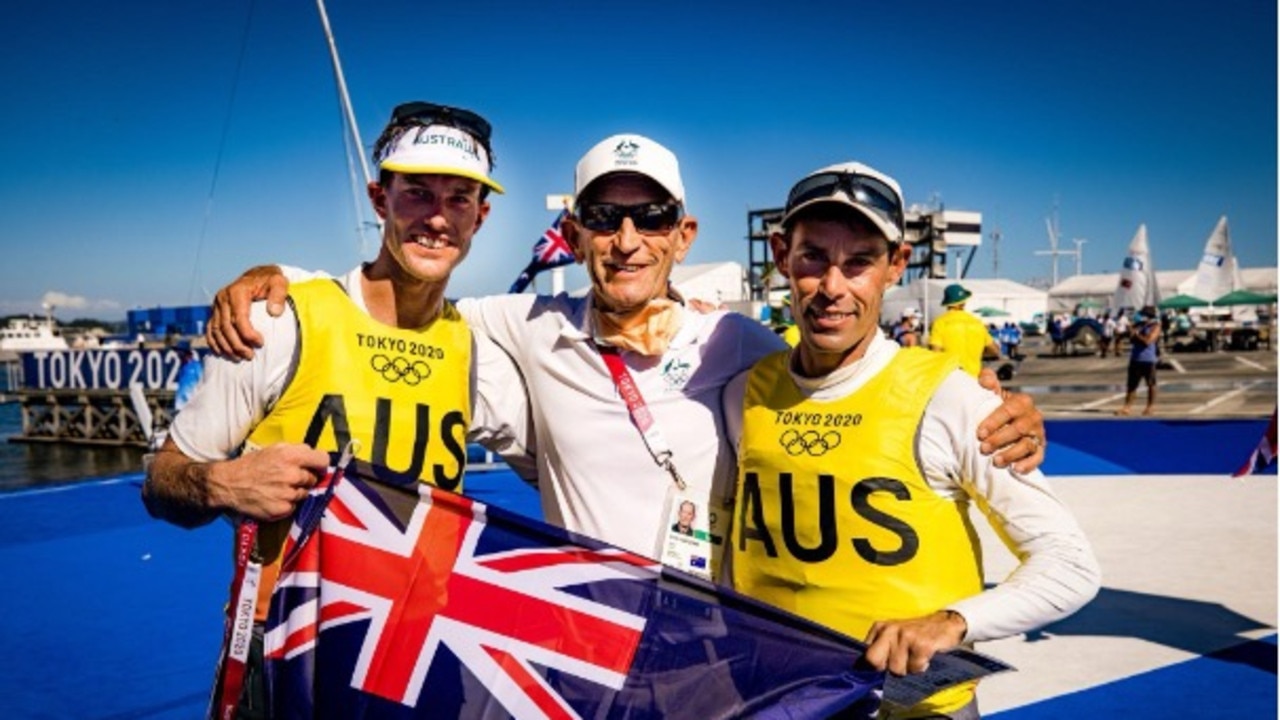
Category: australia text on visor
[865,190]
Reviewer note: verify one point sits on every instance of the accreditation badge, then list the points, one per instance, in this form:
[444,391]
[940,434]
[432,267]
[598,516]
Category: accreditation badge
[691,539]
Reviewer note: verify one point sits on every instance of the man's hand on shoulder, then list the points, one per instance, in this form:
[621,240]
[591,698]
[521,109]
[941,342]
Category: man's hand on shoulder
[229,333]
[1015,429]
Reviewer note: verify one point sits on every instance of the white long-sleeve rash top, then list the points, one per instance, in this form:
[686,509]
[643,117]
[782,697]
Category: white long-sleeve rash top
[1057,572]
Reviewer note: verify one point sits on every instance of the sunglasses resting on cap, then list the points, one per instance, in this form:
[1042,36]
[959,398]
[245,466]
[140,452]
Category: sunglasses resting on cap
[868,192]
[433,114]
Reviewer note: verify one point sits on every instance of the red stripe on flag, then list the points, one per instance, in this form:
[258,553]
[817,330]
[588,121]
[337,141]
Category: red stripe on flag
[549,704]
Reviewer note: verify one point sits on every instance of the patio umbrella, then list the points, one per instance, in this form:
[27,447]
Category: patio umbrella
[1180,302]
[991,312]
[1245,297]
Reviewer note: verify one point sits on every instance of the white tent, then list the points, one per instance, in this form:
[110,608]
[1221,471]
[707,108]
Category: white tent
[1100,288]
[1022,302]
[716,283]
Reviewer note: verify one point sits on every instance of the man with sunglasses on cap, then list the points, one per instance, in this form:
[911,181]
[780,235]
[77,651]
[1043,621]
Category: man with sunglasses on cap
[858,461]
[376,363]
[625,384]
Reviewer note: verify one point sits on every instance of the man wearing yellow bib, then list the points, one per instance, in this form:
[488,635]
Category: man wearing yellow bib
[858,461]
[378,357]
[959,333]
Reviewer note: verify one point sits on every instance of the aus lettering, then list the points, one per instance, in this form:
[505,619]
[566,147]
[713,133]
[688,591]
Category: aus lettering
[449,428]
[751,518]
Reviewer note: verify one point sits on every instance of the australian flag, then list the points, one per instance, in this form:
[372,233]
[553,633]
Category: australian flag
[549,251]
[400,600]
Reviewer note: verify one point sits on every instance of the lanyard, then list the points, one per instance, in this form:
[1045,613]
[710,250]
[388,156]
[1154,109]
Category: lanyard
[639,410]
[238,633]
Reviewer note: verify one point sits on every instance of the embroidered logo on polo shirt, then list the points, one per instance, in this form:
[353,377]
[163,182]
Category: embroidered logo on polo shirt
[676,373]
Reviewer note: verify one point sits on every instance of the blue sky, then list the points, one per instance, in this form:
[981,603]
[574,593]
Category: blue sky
[152,150]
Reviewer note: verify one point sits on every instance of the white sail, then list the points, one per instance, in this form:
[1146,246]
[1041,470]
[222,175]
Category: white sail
[1217,273]
[1137,287]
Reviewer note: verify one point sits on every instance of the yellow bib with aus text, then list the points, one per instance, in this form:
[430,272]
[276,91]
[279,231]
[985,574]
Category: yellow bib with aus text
[834,519]
[403,395]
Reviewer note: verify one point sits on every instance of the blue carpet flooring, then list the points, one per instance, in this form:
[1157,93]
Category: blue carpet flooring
[107,614]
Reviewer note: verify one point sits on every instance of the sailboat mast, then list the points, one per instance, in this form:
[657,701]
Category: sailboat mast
[342,92]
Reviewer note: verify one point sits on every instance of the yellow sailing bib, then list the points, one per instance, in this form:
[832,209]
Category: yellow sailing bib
[834,520]
[404,395]
[963,337]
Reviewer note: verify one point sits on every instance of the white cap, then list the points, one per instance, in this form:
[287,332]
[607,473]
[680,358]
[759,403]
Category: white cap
[629,153]
[891,231]
[910,313]
[438,150]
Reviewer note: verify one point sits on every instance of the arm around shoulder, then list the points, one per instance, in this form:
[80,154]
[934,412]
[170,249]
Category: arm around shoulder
[1057,573]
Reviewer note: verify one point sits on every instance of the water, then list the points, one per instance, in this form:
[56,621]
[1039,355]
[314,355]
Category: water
[25,465]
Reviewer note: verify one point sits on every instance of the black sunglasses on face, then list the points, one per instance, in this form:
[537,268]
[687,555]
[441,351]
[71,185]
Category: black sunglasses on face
[432,114]
[647,217]
[863,189]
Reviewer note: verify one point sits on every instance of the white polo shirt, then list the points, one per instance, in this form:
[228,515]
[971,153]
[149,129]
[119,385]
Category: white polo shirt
[595,473]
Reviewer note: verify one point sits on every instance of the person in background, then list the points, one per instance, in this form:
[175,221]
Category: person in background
[960,334]
[905,332]
[1015,341]
[340,371]
[878,544]
[1108,339]
[630,225]
[1143,355]
[1123,326]
[1057,333]
[1182,325]
[190,370]
[790,334]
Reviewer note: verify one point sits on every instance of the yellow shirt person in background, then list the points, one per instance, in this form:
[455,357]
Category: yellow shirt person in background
[792,335]
[959,333]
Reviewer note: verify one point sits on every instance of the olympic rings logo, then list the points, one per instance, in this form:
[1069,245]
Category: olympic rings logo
[397,369]
[809,442]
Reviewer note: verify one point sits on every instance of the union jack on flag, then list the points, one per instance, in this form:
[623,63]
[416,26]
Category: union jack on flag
[550,251]
[400,600]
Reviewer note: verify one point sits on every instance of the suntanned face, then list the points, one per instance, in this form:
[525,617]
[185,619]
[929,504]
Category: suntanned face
[628,268]
[838,274]
[429,221]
